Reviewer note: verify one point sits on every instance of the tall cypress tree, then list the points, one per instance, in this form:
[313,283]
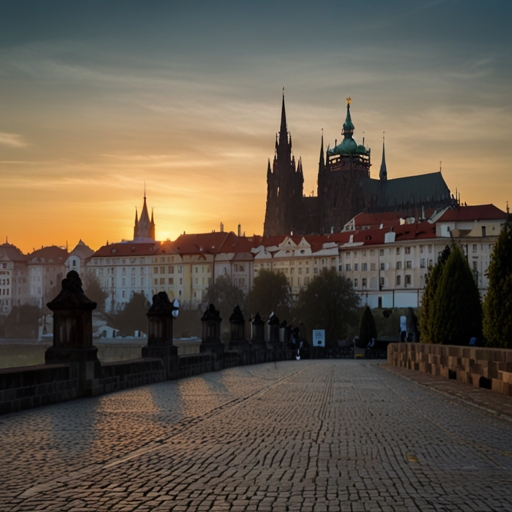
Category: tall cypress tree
[433,278]
[498,301]
[456,315]
[367,329]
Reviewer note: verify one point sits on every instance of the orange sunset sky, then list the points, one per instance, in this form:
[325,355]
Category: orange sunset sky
[99,97]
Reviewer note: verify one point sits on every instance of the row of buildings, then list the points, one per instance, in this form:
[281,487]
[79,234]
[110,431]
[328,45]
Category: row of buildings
[385,255]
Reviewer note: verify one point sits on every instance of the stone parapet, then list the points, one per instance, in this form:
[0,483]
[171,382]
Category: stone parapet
[32,386]
[489,368]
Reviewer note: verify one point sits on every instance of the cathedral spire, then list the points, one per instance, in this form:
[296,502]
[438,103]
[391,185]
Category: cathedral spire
[383,174]
[322,161]
[283,132]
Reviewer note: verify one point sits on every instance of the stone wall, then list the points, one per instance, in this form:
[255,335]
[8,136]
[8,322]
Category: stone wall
[489,368]
[32,386]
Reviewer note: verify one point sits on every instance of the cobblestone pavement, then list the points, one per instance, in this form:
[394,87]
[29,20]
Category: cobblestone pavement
[292,436]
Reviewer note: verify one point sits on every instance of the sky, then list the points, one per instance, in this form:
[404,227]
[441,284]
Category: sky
[101,99]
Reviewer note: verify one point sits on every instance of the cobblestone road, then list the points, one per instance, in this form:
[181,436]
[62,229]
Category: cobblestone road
[291,436]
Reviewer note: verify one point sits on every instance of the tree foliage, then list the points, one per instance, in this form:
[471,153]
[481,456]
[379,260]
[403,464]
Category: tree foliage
[93,291]
[270,293]
[497,323]
[367,328]
[456,311]
[133,316]
[225,296]
[22,322]
[433,278]
[327,302]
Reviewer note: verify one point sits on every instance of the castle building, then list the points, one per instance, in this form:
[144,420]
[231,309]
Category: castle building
[345,187]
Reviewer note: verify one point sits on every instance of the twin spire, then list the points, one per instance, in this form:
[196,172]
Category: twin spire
[144,228]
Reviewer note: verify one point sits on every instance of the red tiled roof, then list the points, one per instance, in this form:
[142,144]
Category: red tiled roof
[12,252]
[477,212]
[127,249]
[49,255]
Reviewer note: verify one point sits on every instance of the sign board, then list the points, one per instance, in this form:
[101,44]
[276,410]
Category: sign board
[318,337]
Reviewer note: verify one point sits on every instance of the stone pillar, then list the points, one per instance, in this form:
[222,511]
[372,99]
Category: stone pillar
[273,335]
[160,318]
[211,341]
[258,345]
[72,332]
[238,340]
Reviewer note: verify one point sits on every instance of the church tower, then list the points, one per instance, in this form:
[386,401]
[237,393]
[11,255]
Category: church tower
[285,183]
[144,228]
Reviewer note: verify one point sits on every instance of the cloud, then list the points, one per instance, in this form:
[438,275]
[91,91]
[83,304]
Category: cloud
[13,140]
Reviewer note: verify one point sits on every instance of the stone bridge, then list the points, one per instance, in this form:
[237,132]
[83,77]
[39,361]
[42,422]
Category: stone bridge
[310,435]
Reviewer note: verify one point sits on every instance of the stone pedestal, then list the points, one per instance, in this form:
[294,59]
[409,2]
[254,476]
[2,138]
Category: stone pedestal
[160,334]
[72,331]
[238,339]
[211,341]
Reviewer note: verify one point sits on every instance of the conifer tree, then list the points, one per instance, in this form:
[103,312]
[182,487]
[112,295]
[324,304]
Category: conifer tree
[433,278]
[498,301]
[456,311]
[367,329]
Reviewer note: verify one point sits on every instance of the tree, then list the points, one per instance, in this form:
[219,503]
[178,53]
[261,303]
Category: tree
[367,328]
[133,315]
[22,322]
[94,292]
[456,311]
[497,322]
[270,293]
[225,296]
[433,278]
[327,302]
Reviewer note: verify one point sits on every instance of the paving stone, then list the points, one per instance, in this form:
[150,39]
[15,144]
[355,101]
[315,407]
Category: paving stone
[330,435]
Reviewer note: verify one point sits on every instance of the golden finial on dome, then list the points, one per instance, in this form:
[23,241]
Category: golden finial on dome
[349,100]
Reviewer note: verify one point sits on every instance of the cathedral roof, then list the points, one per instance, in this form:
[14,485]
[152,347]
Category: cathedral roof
[410,190]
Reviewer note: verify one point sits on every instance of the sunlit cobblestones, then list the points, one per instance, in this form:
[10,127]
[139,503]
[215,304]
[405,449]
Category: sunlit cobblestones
[309,435]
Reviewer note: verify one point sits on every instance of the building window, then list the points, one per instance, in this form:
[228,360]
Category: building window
[422,263]
[398,264]
[347,267]
[373,266]
[171,280]
[356,267]
[408,279]
[364,283]
[381,252]
[315,271]
[383,266]
[306,280]
[408,264]
[382,282]
[398,280]
[162,281]
[407,250]
[348,256]
[475,247]
[155,270]
[365,267]
[355,282]
[162,270]
[398,250]
[155,281]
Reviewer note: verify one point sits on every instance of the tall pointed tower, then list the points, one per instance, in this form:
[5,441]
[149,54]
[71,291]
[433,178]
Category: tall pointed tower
[144,228]
[285,183]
